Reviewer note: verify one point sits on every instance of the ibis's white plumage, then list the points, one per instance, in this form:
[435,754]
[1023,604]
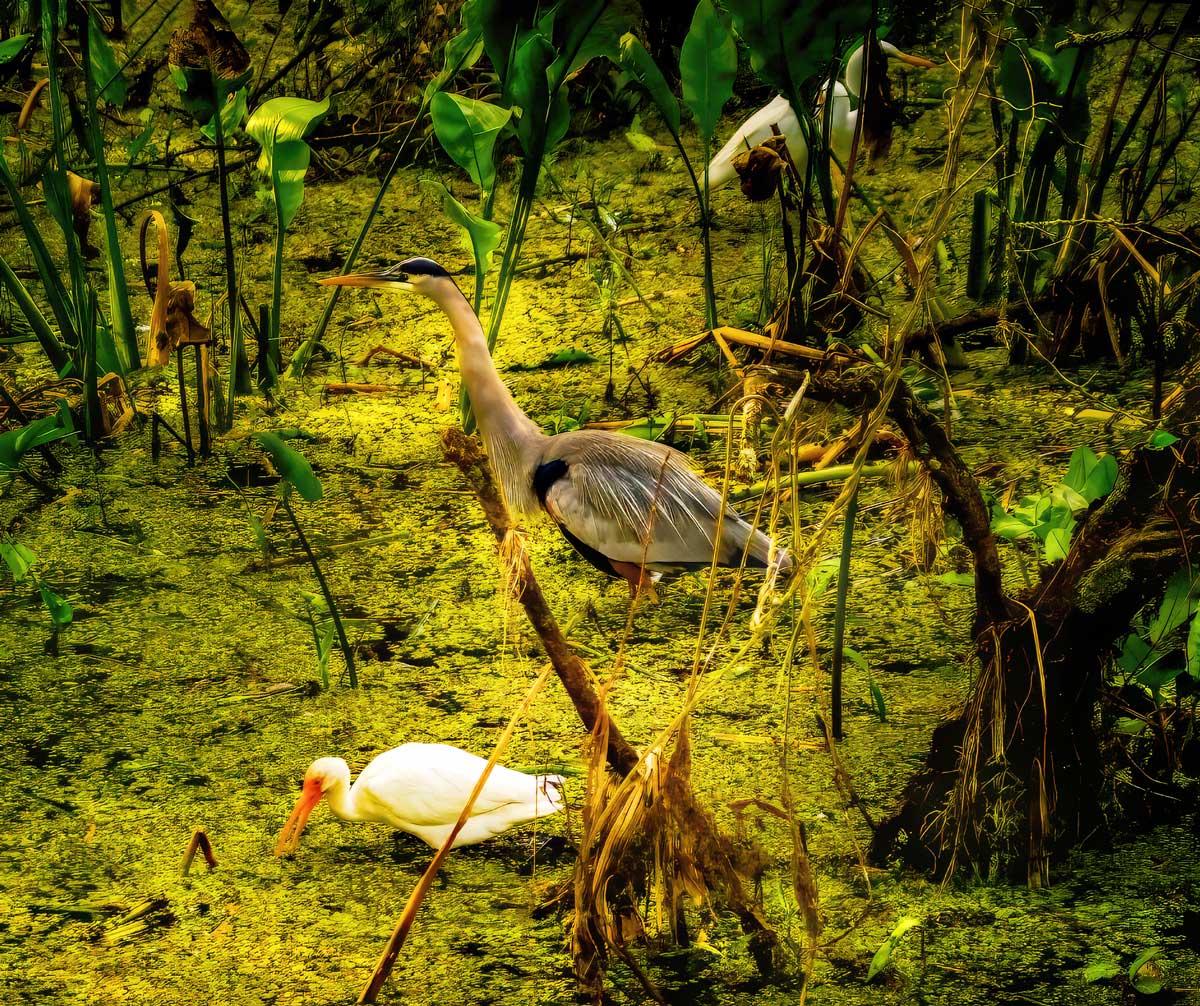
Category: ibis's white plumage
[779,112]
[421,789]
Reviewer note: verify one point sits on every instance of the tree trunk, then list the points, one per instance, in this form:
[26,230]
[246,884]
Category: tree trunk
[1015,779]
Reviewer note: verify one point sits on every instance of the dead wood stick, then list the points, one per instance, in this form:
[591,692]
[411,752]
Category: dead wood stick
[199,843]
[403,357]
[359,389]
[572,672]
[396,943]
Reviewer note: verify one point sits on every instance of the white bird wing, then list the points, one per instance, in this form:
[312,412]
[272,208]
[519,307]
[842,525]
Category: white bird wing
[427,785]
[752,132]
[640,502]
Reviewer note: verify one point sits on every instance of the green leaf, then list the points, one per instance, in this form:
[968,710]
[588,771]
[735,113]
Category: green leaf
[292,466]
[60,611]
[1100,971]
[707,66]
[483,236]
[651,428]
[54,350]
[883,955]
[1145,984]
[956,579]
[1134,653]
[877,701]
[196,88]
[17,558]
[1160,439]
[232,114]
[1058,544]
[1156,678]
[1090,476]
[1129,725]
[563,358]
[788,45]
[1193,647]
[11,48]
[15,444]
[106,71]
[467,130]
[279,126]
[1177,606]
[461,52]
[530,91]
[640,66]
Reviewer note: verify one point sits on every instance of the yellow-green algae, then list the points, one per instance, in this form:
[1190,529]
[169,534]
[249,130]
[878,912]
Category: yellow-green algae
[155,711]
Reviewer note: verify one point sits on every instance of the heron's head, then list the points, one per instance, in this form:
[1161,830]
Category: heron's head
[414,275]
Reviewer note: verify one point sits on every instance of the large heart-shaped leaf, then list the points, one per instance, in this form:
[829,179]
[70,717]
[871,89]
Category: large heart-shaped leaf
[1192,650]
[707,66]
[788,44]
[467,130]
[15,444]
[106,71]
[17,558]
[461,52]
[232,114]
[640,65]
[1090,476]
[11,48]
[293,467]
[279,126]
[483,236]
[1178,604]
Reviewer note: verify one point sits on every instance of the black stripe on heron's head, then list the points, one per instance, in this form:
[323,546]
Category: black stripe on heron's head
[421,267]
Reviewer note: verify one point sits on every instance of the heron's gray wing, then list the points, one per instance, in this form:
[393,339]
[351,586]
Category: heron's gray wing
[637,501]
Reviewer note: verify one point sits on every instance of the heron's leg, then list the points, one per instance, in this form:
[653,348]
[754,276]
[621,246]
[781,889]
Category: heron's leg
[640,582]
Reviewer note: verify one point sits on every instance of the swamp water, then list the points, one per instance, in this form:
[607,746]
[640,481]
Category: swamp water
[183,693]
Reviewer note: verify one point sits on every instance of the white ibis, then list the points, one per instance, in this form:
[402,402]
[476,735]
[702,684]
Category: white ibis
[779,112]
[633,508]
[422,789]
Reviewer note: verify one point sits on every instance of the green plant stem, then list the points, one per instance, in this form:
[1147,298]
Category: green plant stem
[329,601]
[119,292]
[239,367]
[839,617]
[798,480]
[710,293]
[276,293]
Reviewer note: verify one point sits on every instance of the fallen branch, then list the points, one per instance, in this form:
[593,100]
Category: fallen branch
[572,672]
[359,389]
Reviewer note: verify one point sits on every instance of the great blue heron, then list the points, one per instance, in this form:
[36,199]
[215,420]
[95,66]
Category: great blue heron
[779,112]
[422,789]
[632,508]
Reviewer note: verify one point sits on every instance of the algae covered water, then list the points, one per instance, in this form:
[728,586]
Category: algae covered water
[1007,378]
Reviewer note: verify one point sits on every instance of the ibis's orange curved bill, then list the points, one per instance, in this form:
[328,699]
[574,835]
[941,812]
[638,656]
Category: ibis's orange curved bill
[289,838]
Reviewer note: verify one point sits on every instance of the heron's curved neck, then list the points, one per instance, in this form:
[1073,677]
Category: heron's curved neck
[340,797]
[513,440]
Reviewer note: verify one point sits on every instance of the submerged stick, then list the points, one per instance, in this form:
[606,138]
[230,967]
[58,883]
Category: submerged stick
[572,672]
[400,933]
[199,843]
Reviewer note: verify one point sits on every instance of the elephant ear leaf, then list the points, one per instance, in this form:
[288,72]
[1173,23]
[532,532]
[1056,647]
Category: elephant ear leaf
[707,66]
[640,65]
[467,130]
[483,235]
[293,467]
[280,126]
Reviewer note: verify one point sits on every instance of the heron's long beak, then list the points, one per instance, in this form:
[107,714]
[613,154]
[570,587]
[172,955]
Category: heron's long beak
[918,61]
[372,280]
[289,838]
